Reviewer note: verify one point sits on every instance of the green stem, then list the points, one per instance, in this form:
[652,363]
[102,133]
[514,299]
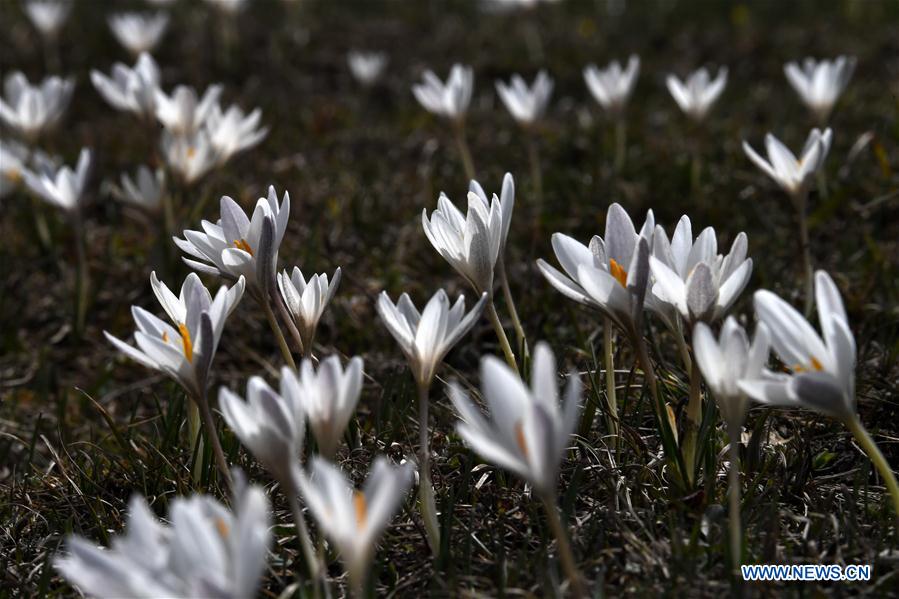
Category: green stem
[566,555]
[611,393]
[694,417]
[303,537]
[194,425]
[82,273]
[520,337]
[733,476]
[425,488]
[464,152]
[276,330]
[805,249]
[291,325]
[822,183]
[536,174]
[501,335]
[620,143]
[213,438]
[864,439]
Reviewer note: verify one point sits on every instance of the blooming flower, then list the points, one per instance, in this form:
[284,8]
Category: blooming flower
[448,100]
[611,87]
[820,372]
[528,430]
[32,109]
[794,176]
[138,32]
[64,187]
[207,551]
[426,337]
[820,83]
[367,67]
[232,131]
[183,351]
[144,190]
[133,90]
[306,300]
[228,7]
[182,113]
[189,156]
[13,157]
[526,104]
[698,93]
[328,397]
[472,243]
[48,16]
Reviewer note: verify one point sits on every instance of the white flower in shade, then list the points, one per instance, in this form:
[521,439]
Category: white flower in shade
[528,429]
[29,109]
[138,32]
[505,6]
[698,93]
[64,187]
[232,131]
[206,551]
[306,300]
[190,156]
[692,277]
[182,113]
[228,7]
[426,337]
[820,83]
[328,397]
[13,158]
[48,16]
[612,86]
[821,370]
[611,274]
[162,3]
[527,105]
[183,351]
[794,176]
[472,242]
[130,89]
[352,519]
[238,246]
[728,359]
[448,100]
[367,67]
[144,190]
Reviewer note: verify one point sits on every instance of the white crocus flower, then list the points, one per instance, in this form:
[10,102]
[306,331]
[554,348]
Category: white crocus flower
[182,113]
[190,157]
[138,32]
[328,397]
[228,7]
[13,158]
[527,105]
[238,246]
[450,99]
[144,190]
[306,300]
[473,242]
[794,176]
[426,337]
[352,519]
[183,351]
[528,429]
[698,93]
[206,551]
[233,131]
[48,16]
[693,278]
[131,89]
[64,187]
[820,83]
[29,109]
[612,86]
[367,67]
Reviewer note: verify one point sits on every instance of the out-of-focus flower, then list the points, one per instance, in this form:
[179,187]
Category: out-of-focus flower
[505,6]
[32,109]
[426,337]
[48,16]
[232,131]
[13,158]
[182,113]
[63,188]
[328,397]
[184,351]
[133,90]
[794,176]
[144,190]
[162,3]
[612,86]
[367,67]
[527,105]
[529,429]
[228,7]
[820,83]
[306,300]
[698,93]
[206,551]
[139,32]
[450,99]
[190,157]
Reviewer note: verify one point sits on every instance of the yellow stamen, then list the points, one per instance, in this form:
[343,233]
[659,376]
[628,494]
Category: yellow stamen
[186,342]
[14,175]
[191,152]
[361,508]
[520,439]
[165,337]
[222,527]
[242,244]
[817,366]
[618,272]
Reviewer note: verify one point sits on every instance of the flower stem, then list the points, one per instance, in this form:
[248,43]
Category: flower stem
[733,477]
[694,417]
[565,553]
[464,152]
[501,335]
[82,283]
[805,249]
[611,393]
[536,174]
[213,437]
[291,326]
[520,337]
[303,537]
[279,336]
[620,143]
[425,488]
[194,425]
[889,477]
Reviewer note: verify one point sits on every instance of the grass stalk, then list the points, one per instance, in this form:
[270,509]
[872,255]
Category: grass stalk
[870,448]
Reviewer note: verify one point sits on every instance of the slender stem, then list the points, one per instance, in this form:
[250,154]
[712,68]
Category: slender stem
[536,174]
[520,337]
[194,425]
[464,152]
[822,183]
[695,170]
[40,224]
[889,477]
[501,335]
[213,437]
[279,336]
[303,537]
[565,553]
[291,326]
[649,372]
[805,249]
[733,476]
[82,273]
[620,143]
[425,488]
[611,393]
[694,417]
[168,211]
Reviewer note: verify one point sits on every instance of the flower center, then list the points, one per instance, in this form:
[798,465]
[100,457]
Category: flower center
[242,244]
[191,152]
[618,272]
[186,342]
[222,527]
[816,366]
[14,175]
[361,508]
[520,439]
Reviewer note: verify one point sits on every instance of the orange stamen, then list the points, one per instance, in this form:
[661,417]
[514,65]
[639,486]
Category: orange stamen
[520,439]
[165,337]
[242,244]
[222,527]
[618,272]
[361,508]
[186,342]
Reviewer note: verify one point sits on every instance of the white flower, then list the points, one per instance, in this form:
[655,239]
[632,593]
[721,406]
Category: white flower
[133,90]
[232,131]
[144,190]
[239,246]
[228,7]
[822,371]
[32,109]
[328,398]
[692,277]
[139,32]
[697,95]
[206,551]
[794,176]
[184,351]
[13,157]
[355,520]
[306,300]
[611,87]
[820,83]
[182,113]
[528,430]
[190,156]
[426,337]
[367,67]
[526,104]
[449,100]
[48,16]
[64,187]
[473,242]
